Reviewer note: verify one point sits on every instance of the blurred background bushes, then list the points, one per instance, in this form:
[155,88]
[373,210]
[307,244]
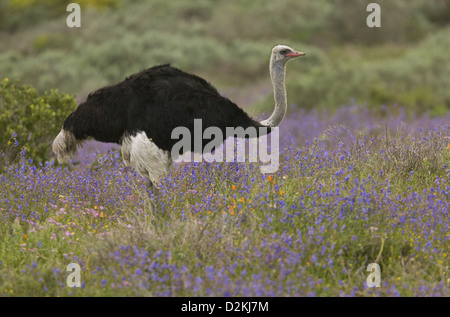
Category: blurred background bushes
[406,62]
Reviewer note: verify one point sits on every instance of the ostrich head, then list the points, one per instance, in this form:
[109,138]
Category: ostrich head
[281,54]
[284,53]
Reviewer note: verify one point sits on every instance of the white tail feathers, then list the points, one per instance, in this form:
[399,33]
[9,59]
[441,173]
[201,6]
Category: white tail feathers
[145,157]
[65,145]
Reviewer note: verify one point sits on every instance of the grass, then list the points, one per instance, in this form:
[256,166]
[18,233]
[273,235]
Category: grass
[341,199]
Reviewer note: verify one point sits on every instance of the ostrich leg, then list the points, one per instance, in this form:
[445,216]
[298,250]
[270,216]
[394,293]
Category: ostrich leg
[153,188]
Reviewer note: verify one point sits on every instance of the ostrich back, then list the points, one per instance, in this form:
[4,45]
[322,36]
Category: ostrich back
[156,100]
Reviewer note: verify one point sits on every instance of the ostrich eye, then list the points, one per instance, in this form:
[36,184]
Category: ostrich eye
[284,51]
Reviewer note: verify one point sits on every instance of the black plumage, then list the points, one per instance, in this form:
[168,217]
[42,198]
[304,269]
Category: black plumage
[156,100]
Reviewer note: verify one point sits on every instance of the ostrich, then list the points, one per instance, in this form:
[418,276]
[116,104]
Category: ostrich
[140,113]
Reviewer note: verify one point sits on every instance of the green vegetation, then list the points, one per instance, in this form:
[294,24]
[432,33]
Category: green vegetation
[406,61]
[16,15]
[30,119]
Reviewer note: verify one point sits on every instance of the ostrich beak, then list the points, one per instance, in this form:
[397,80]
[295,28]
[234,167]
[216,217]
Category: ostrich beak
[296,54]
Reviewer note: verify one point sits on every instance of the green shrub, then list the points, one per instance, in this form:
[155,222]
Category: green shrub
[32,119]
[18,14]
[51,41]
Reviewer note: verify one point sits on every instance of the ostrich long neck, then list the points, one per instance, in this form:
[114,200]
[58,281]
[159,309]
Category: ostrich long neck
[277,74]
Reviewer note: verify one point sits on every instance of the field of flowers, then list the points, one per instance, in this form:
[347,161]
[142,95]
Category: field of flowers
[352,188]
